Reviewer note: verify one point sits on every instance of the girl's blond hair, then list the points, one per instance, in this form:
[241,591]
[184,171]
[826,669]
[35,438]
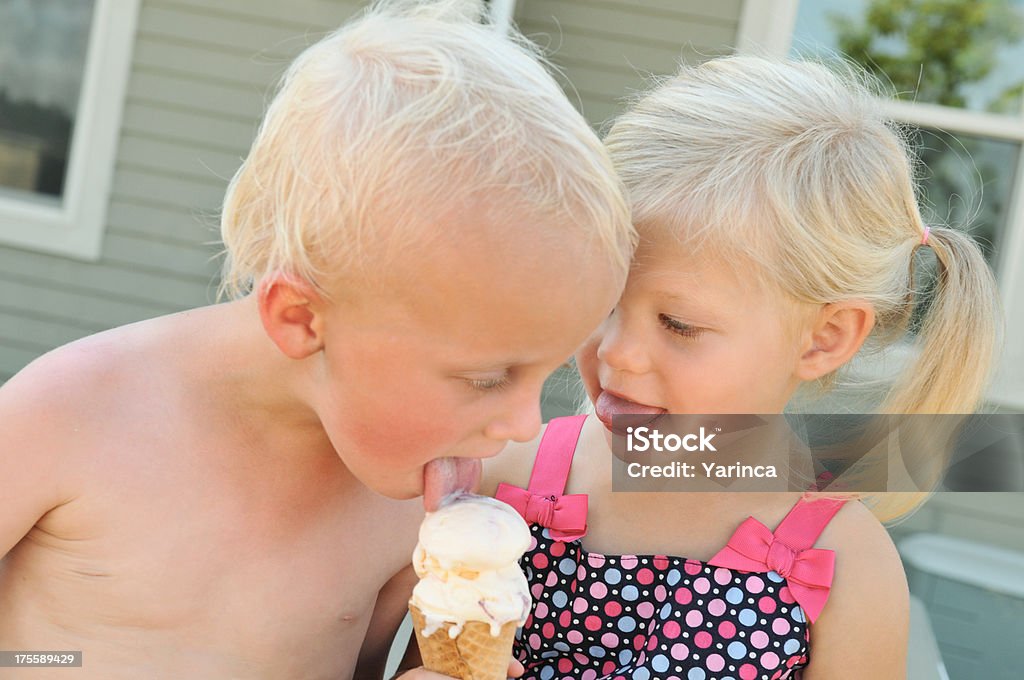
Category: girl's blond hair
[405,114]
[792,167]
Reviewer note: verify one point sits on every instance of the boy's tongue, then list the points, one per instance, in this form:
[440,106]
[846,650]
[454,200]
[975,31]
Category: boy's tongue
[445,476]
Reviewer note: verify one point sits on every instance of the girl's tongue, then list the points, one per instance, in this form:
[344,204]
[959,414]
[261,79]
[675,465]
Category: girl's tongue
[443,477]
[608,405]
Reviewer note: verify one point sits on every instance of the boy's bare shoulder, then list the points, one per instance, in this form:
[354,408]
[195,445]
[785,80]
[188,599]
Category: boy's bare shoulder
[53,386]
[77,378]
[72,397]
[52,414]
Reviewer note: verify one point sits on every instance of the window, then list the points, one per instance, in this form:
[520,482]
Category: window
[63,69]
[957,68]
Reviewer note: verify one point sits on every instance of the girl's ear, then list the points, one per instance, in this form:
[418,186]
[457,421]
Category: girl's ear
[837,334]
[290,311]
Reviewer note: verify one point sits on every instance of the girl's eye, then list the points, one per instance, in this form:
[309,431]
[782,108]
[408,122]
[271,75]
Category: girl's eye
[680,328]
[490,384]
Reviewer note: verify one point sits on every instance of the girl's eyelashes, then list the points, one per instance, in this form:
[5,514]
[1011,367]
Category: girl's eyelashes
[680,328]
[490,384]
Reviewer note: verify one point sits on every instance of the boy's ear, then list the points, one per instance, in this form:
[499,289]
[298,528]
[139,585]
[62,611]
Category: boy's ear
[289,309]
[838,332]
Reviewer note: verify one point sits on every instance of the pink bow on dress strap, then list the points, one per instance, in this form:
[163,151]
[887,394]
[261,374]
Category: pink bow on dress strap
[564,516]
[753,547]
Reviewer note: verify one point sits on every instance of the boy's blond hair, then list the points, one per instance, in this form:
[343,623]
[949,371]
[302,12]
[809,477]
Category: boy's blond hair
[792,167]
[402,116]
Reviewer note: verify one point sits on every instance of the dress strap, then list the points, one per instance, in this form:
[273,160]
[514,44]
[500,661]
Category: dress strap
[554,455]
[805,521]
[544,502]
[788,552]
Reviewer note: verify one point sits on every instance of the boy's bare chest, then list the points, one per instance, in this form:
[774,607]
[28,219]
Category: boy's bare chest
[228,559]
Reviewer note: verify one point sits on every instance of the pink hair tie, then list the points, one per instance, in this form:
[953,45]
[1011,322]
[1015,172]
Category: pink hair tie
[924,237]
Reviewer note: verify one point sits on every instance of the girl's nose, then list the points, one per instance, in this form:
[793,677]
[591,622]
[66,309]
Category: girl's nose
[621,348]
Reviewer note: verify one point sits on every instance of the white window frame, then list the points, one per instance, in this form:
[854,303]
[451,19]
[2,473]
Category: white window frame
[502,12]
[766,27]
[75,227]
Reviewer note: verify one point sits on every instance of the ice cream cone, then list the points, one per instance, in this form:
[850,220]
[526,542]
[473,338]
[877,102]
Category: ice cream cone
[472,595]
[473,654]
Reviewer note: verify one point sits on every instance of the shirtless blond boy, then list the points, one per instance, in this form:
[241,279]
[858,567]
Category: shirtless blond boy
[424,229]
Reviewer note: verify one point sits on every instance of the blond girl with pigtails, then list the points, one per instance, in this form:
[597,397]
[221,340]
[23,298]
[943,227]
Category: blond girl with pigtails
[779,228]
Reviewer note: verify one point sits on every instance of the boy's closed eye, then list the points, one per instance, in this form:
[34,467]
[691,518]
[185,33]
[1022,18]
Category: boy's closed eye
[490,384]
[490,377]
[679,328]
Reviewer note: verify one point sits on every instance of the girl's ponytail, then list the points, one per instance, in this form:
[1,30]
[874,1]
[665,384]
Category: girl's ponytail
[956,350]
[958,340]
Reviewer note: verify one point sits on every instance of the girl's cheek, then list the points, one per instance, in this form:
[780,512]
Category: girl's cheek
[587,368]
[586,357]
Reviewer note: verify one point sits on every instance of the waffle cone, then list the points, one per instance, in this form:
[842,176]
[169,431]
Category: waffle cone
[474,654]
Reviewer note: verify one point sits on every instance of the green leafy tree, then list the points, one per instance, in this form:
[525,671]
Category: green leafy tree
[930,49]
[934,51]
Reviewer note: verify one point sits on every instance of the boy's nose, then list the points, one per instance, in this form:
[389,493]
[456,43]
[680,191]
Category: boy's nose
[521,421]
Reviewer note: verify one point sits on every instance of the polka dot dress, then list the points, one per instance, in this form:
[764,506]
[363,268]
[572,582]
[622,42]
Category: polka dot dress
[643,617]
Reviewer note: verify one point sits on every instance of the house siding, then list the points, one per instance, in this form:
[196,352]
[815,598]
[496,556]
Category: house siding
[607,49]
